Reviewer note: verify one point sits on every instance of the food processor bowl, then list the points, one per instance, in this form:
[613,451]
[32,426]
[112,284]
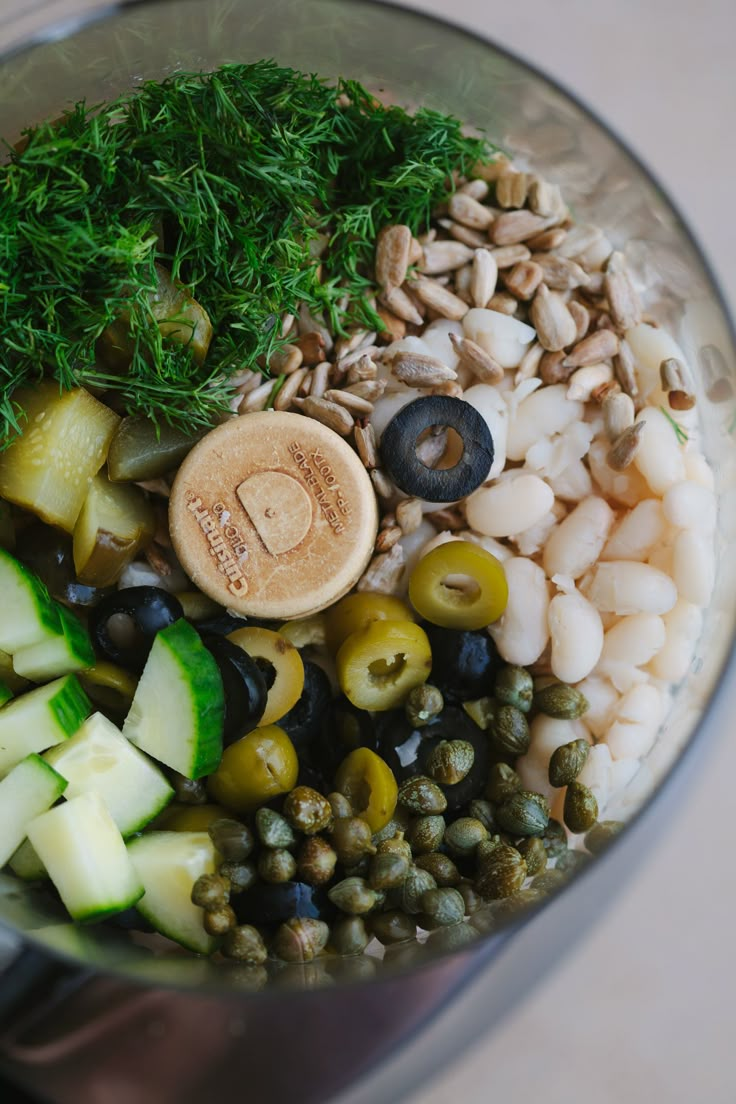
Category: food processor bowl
[110,1009]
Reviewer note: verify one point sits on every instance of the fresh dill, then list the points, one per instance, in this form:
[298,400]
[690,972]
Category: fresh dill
[680,431]
[225,179]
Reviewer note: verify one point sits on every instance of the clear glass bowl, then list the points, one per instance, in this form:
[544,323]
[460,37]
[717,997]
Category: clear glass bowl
[56,53]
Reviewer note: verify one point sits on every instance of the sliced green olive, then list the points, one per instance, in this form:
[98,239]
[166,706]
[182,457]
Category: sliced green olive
[190,818]
[281,660]
[355,611]
[258,767]
[378,665]
[109,686]
[459,586]
[369,785]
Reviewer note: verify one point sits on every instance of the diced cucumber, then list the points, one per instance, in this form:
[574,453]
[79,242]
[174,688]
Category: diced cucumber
[27,615]
[99,758]
[40,719]
[26,864]
[81,847]
[168,864]
[29,790]
[5,693]
[70,651]
[178,709]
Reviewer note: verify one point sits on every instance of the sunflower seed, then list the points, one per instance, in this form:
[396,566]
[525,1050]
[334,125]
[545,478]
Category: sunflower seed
[329,414]
[491,170]
[480,363]
[625,447]
[444,256]
[623,300]
[618,414]
[580,238]
[346,362]
[585,381]
[409,514]
[288,392]
[544,198]
[385,571]
[560,274]
[624,367]
[551,369]
[365,442]
[464,234]
[367,389]
[552,320]
[483,277]
[439,298]
[680,400]
[548,239]
[312,346]
[601,345]
[506,256]
[320,379]
[395,327]
[581,315]
[468,211]
[529,365]
[364,369]
[477,188]
[417,370]
[392,255]
[516,226]
[450,518]
[257,399]
[523,279]
[359,408]
[463,280]
[402,305]
[285,360]
[415,251]
[449,387]
[503,303]
[387,538]
[511,189]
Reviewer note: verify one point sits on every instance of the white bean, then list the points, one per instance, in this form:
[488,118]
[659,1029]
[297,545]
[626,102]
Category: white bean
[446,537]
[491,406]
[693,567]
[541,414]
[623,587]
[661,555]
[521,635]
[650,347]
[634,640]
[584,381]
[573,483]
[509,507]
[630,741]
[503,337]
[577,636]
[638,532]
[602,699]
[547,734]
[576,544]
[413,543]
[596,773]
[683,626]
[533,539]
[659,457]
[500,551]
[636,723]
[388,406]
[622,772]
[627,487]
[436,338]
[699,470]
[689,505]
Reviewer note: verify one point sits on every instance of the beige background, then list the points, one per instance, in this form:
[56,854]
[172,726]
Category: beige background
[643,1011]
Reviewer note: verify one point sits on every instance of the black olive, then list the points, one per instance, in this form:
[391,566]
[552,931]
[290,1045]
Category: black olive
[48,553]
[344,728]
[244,685]
[222,624]
[268,905]
[304,720]
[399,441]
[464,662]
[150,609]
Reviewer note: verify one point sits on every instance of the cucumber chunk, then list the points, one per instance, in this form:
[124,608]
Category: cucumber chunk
[81,847]
[26,864]
[28,615]
[40,719]
[168,864]
[29,790]
[70,651]
[99,758]
[5,693]
[178,710]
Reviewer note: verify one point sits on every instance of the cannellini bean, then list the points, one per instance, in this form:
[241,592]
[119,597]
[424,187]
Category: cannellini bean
[492,408]
[627,487]
[503,337]
[693,567]
[584,381]
[602,699]
[533,539]
[661,555]
[388,406]
[638,532]
[633,741]
[521,635]
[436,338]
[547,734]
[413,543]
[541,414]
[683,626]
[596,773]
[699,470]
[445,537]
[689,505]
[636,723]
[509,507]
[576,633]
[659,457]
[573,483]
[633,640]
[650,347]
[624,587]
[500,551]
[622,771]
[576,544]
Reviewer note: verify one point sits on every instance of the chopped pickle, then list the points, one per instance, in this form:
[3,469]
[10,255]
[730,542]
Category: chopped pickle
[141,450]
[116,521]
[63,444]
[8,676]
[180,319]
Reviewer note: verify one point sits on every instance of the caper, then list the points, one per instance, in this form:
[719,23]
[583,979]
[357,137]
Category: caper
[518,902]
[388,871]
[211,891]
[554,839]
[470,896]
[423,704]
[349,935]
[549,880]
[232,839]
[443,906]
[514,686]
[316,861]
[441,867]
[359,869]
[509,731]
[353,895]
[397,845]
[561,701]
[483,811]
[189,791]
[487,846]
[524,814]
[503,781]
[422,796]
[246,944]
[572,861]
[417,882]
[399,822]
[351,839]
[300,939]
[340,805]
[393,926]
[454,937]
[307,810]
[534,854]
[219,921]
[240,875]
[425,834]
[501,873]
[481,711]
[567,762]
[464,834]
[273,829]
[450,761]
[601,834]
[276,866]
[580,810]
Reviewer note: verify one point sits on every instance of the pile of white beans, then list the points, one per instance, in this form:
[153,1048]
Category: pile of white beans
[608,572]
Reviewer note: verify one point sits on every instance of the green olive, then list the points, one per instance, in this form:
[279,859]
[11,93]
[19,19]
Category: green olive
[255,769]
[378,665]
[288,680]
[369,784]
[355,611]
[190,818]
[459,586]
[109,686]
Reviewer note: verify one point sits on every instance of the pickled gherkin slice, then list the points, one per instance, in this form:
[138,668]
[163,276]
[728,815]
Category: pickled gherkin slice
[141,450]
[114,524]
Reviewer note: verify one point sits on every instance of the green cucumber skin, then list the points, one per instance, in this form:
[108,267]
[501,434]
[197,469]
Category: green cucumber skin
[77,638]
[165,802]
[95,916]
[40,763]
[206,691]
[70,705]
[44,608]
[5,694]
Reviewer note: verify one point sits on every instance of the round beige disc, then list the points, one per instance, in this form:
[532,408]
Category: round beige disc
[273,515]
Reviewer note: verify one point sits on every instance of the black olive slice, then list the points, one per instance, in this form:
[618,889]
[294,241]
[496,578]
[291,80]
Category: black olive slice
[148,610]
[304,720]
[399,442]
[245,687]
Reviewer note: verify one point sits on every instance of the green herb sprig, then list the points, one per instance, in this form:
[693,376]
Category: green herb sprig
[225,179]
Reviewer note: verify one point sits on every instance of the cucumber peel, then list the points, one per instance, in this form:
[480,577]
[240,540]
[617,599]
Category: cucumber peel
[30,789]
[40,719]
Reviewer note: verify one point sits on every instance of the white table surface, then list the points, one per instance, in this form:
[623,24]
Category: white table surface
[643,1010]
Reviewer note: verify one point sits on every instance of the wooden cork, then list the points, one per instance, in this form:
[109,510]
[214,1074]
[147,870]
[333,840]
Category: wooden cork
[273,515]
